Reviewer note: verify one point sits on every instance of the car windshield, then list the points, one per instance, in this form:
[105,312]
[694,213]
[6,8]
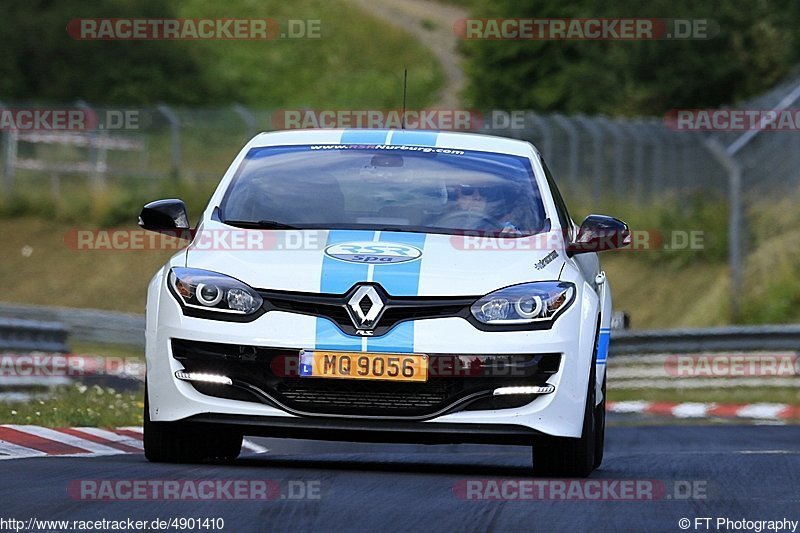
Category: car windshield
[431,190]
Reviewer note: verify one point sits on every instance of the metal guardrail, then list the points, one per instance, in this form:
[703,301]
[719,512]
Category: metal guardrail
[86,325]
[29,335]
[734,338]
[110,327]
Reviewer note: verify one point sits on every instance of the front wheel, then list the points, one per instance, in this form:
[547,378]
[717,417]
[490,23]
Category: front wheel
[170,442]
[571,457]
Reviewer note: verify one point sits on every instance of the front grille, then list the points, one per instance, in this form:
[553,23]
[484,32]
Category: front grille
[269,375]
[345,396]
[395,310]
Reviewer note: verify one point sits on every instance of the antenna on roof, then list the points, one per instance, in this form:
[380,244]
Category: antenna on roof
[405,87]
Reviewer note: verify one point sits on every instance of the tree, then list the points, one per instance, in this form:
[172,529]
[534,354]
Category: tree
[757,44]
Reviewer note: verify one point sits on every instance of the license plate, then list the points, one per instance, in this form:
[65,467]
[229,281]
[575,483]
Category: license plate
[359,365]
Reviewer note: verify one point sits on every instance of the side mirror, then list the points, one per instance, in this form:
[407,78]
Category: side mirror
[598,233]
[165,216]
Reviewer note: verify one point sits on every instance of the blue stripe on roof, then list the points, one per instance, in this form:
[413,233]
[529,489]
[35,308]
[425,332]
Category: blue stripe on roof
[414,137]
[364,137]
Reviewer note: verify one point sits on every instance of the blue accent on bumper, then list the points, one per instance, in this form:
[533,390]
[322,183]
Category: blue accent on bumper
[602,345]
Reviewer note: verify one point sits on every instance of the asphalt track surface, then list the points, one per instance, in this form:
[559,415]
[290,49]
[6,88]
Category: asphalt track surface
[737,472]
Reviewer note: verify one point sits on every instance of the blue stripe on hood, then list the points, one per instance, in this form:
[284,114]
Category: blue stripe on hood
[337,278]
[401,279]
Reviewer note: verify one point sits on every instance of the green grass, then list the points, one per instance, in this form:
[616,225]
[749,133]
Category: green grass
[78,405]
[117,204]
[691,288]
[56,275]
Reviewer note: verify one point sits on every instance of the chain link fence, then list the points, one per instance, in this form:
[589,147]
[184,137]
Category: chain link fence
[637,160]
[632,159]
[123,144]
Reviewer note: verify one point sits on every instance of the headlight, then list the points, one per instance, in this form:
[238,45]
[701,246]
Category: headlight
[524,304]
[210,291]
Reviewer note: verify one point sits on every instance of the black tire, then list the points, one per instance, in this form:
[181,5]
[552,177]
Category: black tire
[570,457]
[169,442]
[600,427]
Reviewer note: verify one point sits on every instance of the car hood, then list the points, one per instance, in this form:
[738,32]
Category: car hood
[403,263]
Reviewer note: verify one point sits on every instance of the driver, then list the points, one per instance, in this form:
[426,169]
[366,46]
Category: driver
[471,198]
[487,203]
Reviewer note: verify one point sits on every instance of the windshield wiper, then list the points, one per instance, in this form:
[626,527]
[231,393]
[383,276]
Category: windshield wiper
[260,224]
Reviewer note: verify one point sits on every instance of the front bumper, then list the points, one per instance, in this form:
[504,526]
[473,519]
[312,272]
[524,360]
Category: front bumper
[392,431]
[559,413]
[455,382]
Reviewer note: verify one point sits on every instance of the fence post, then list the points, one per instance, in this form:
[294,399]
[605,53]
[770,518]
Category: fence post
[726,155]
[96,158]
[734,217]
[8,159]
[669,162]
[175,138]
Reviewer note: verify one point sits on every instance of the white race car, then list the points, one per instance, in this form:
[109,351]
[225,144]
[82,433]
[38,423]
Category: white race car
[381,286]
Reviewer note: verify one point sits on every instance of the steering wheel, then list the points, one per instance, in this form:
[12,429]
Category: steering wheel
[471,220]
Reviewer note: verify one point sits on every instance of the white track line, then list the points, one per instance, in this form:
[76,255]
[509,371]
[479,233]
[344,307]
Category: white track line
[253,447]
[247,444]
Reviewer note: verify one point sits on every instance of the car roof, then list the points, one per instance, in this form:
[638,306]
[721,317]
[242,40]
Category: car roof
[395,137]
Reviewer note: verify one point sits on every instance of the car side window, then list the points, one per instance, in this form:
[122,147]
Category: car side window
[561,207]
